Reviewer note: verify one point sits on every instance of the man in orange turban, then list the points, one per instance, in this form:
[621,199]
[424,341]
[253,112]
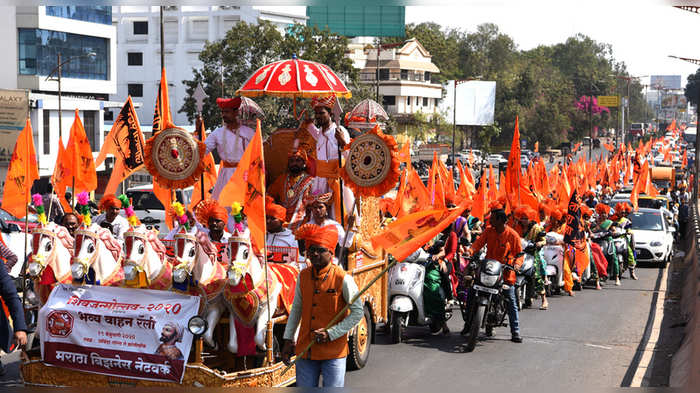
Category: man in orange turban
[282,246]
[291,188]
[322,291]
[230,141]
[110,218]
[214,217]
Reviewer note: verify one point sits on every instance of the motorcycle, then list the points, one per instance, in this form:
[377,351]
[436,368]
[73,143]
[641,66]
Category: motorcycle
[553,254]
[486,303]
[620,239]
[406,306]
[525,277]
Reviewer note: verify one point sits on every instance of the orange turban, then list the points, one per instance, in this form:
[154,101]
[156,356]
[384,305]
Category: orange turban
[326,102]
[210,208]
[556,214]
[108,201]
[386,204]
[586,211]
[602,208]
[313,198]
[312,234]
[524,211]
[495,205]
[274,210]
[233,103]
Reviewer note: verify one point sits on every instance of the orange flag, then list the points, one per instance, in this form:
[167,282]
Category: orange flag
[609,147]
[247,187]
[437,193]
[563,191]
[542,180]
[493,188]
[639,185]
[405,153]
[537,147]
[466,188]
[448,182]
[412,195]
[480,203]
[79,158]
[162,120]
[61,177]
[125,142]
[685,158]
[208,176]
[513,171]
[21,173]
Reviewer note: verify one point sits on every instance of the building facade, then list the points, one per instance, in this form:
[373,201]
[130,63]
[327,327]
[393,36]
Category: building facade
[33,39]
[186,29]
[405,75]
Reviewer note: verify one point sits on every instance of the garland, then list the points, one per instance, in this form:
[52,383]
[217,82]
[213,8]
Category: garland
[38,202]
[237,214]
[181,215]
[129,210]
[83,208]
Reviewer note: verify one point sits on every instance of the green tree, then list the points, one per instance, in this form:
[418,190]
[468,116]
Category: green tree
[692,88]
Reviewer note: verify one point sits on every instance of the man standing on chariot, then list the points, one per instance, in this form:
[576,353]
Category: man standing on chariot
[110,218]
[291,188]
[230,141]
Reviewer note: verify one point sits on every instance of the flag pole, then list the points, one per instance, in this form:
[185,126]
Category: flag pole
[201,138]
[27,190]
[269,338]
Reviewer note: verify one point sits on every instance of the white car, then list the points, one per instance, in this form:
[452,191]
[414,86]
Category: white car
[495,160]
[653,237]
[478,156]
[148,208]
[524,160]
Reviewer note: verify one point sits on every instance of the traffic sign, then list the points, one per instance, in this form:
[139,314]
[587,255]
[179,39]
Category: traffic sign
[609,101]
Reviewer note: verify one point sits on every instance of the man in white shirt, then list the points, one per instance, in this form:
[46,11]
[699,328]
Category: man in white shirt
[230,141]
[329,139]
[318,204]
[110,218]
[282,246]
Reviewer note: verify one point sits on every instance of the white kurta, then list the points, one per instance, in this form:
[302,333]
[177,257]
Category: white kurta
[284,238]
[230,145]
[119,225]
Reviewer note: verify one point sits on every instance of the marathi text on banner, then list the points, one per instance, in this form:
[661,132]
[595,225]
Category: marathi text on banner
[135,333]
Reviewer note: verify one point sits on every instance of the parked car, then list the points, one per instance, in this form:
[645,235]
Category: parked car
[496,160]
[33,220]
[653,236]
[149,209]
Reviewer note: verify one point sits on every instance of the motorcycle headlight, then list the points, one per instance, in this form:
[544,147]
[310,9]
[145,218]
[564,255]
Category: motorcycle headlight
[77,270]
[491,267]
[655,244]
[130,272]
[488,279]
[180,275]
[197,325]
[34,269]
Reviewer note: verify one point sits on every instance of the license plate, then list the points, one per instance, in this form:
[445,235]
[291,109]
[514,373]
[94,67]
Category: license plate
[484,289]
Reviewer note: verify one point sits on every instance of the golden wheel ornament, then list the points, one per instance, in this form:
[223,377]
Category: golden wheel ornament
[174,158]
[372,165]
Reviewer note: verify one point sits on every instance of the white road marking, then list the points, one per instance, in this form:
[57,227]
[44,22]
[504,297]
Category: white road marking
[597,346]
[655,332]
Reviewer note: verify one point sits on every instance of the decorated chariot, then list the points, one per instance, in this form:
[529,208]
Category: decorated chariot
[190,311]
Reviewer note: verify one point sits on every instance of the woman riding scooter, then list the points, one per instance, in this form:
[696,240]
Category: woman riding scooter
[622,210]
[603,224]
[437,277]
[528,228]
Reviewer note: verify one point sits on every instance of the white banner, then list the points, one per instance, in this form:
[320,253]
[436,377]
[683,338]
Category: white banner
[476,102]
[134,333]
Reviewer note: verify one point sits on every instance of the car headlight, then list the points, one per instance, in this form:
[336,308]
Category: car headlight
[77,270]
[488,280]
[197,325]
[180,275]
[130,272]
[656,244]
[34,269]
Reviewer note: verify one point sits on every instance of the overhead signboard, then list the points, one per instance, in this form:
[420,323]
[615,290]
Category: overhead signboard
[674,101]
[357,20]
[14,109]
[609,101]
[475,102]
[665,82]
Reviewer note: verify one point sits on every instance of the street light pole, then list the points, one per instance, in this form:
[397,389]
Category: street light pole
[60,123]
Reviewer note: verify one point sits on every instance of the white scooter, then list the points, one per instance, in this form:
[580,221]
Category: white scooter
[553,254]
[406,295]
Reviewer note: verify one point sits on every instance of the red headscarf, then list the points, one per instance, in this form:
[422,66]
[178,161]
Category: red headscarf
[108,201]
[210,208]
[233,103]
[312,234]
[274,210]
[326,102]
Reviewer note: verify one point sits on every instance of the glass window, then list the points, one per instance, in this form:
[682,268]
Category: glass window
[404,74]
[135,89]
[383,74]
[47,132]
[140,27]
[389,100]
[425,101]
[426,76]
[39,49]
[93,137]
[408,101]
[135,58]
[96,14]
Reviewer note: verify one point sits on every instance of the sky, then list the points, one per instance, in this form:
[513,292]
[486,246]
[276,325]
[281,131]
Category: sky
[643,33]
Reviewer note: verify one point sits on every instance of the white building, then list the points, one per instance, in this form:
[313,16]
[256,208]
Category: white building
[32,39]
[186,30]
[405,75]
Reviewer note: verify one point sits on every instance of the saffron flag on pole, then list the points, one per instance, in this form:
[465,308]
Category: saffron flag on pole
[513,171]
[412,195]
[404,154]
[161,121]
[79,158]
[209,175]
[480,203]
[61,177]
[247,187]
[125,142]
[21,174]
[435,185]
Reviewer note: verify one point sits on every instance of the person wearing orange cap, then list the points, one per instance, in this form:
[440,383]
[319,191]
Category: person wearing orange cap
[282,246]
[622,210]
[321,292]
[330,139]
[110,218]
[214,217]
[229,140]
[290,189]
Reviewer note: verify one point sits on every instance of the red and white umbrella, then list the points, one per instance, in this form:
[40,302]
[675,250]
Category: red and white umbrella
[369,109]
[250,108]
[294,78]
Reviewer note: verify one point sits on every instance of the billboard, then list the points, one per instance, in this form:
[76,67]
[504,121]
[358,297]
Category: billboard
[674,101]
[354,21]
[665,82]
[475,102]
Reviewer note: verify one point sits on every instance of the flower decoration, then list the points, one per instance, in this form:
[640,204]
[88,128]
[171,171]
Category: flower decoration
[181,215]
[237,214]
[38,203]
[83,208]
[129,211]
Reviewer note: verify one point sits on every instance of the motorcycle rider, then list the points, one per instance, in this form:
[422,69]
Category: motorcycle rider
[603,223]
[532,231]
[586,214]
[502,244]
[437,276]
[622,210]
